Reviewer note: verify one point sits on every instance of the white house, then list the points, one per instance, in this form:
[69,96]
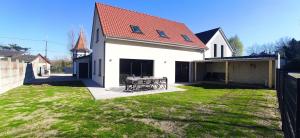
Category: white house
[128,43]
[216,42]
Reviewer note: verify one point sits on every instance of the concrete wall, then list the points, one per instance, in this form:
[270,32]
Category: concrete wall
[12,74]
[98,50]
[251,72]
[164,58]
[219,40]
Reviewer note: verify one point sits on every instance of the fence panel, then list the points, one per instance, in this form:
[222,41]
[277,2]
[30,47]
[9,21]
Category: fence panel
[288,93]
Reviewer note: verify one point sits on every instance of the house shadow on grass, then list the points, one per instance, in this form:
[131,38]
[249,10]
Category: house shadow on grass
[75,83]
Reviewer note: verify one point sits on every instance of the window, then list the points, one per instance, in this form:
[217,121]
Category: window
[97,35]
[222,51]
[136,29]
[162,33]
[94,71]
[215,50]
[186,38]
[100,73]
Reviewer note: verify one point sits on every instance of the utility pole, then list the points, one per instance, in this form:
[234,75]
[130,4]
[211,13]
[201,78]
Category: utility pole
[46,48]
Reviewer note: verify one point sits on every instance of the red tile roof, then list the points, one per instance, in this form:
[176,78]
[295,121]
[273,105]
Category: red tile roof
[80,44]
[116,23]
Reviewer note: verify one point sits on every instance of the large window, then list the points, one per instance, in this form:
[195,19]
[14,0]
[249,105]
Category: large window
[215,50]
[135,67]
[99,73]
[222,51]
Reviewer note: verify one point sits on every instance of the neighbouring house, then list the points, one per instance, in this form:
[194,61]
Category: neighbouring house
[216,42]
[40,65]
[81,58]
[9,53]
[128,43]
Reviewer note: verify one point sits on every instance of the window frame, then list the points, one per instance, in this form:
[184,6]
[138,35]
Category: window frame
[222,51]
[163,32]
[94,71]
[97,35]
[186,38]
[100,67]
[133,29]
[215,50]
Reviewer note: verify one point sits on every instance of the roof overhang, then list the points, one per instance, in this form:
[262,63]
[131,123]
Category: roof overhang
[241,58]
[156,43]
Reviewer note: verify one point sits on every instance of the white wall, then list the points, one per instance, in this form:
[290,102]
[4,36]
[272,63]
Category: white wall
[219,40]
[164,58]
[98,50]
[38,63]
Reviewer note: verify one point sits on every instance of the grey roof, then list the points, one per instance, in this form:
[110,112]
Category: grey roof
[207,35]
[10,53]
[25,58]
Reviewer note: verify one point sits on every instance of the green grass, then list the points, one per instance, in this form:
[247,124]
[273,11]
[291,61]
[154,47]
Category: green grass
[201,111]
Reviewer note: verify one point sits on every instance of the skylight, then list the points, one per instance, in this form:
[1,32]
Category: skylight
[136,29]
[186,38]
[162,34]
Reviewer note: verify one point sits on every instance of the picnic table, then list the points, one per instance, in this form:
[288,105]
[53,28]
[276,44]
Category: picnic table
[145,83]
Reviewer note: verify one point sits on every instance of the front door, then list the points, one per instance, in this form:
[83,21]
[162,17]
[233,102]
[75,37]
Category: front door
[181,71]
[83,70]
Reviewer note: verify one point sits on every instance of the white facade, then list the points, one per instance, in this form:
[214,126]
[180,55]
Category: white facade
[110,52]
[164,58]
[220,40]
[98,48]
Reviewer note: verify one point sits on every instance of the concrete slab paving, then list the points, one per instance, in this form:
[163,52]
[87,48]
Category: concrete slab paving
[100,93]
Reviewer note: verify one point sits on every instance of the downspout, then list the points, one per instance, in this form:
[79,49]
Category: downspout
[104,61]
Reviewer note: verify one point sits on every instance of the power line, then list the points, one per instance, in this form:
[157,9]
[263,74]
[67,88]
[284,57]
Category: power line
[27,39]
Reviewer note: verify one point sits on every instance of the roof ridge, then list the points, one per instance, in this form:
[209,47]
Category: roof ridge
[218,28]
[140,13]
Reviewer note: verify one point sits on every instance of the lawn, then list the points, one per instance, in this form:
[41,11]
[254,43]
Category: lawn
[201,111]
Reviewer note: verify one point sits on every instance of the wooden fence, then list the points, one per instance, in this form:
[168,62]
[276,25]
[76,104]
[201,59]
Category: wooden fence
[288,92]
[12,73]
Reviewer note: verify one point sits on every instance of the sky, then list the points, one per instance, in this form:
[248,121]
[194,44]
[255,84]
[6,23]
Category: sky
[28,23]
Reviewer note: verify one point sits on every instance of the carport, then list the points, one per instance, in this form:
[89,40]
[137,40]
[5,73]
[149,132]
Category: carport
[251,70]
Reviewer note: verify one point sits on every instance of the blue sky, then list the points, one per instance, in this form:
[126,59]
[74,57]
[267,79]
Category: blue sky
[254,21]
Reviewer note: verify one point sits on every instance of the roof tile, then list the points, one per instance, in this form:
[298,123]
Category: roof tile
[116,23]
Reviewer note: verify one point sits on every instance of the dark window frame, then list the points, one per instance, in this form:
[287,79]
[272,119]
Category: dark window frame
[215,50]
[97,35]
[186,38]
[94,71]
[134,27]
[162,34]
[99,70]
[222,51]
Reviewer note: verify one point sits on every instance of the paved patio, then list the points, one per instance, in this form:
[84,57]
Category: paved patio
[102,93]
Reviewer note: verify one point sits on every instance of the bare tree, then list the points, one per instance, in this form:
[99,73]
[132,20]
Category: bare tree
[71,39]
